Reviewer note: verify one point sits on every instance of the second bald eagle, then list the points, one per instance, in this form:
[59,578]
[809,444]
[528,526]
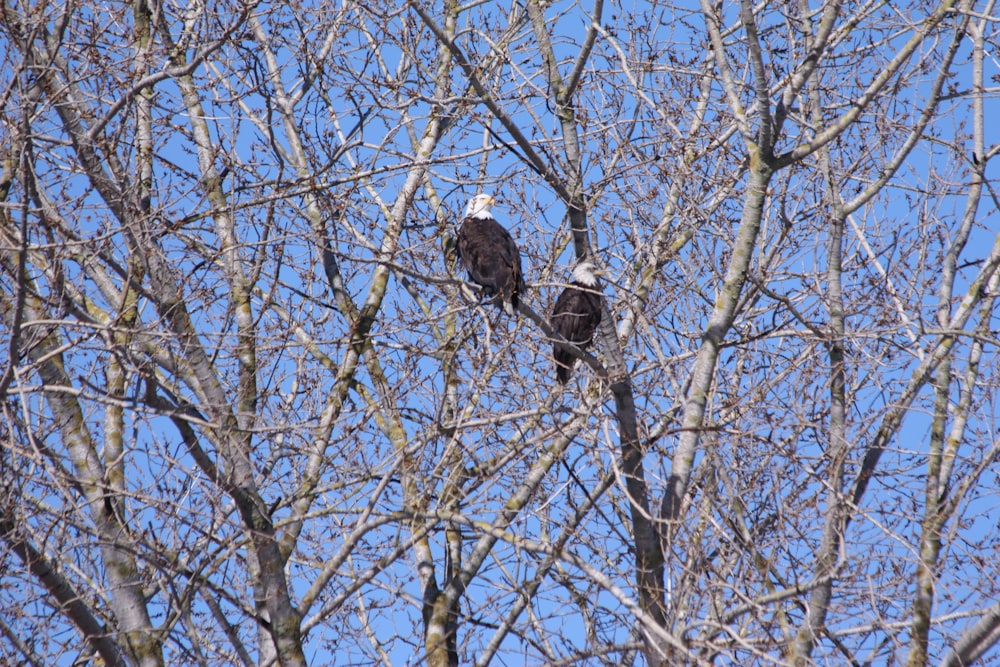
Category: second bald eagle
[489,254]
[575,316]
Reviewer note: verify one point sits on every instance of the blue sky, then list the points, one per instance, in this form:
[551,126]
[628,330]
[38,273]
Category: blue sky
[763,464]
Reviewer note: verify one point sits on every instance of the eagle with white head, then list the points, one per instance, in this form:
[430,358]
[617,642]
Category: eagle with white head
[489,254]
[575,316]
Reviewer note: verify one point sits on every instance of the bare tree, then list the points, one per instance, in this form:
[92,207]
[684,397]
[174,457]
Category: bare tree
[253,413]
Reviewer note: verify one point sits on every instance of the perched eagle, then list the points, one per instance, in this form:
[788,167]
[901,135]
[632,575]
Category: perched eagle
[575,316]
[490,255]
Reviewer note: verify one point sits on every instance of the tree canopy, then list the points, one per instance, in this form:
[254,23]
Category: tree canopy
[255,414]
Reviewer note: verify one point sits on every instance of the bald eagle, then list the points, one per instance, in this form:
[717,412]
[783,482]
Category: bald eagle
[490,255]
[575,316]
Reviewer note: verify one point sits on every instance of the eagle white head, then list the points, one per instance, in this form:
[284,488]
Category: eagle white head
[586,274]
[479,206]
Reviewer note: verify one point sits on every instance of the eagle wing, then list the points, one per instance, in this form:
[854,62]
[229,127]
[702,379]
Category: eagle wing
[575,317]
[491,258]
